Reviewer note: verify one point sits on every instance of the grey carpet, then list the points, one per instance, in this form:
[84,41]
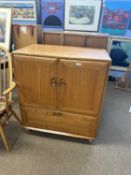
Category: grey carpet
[46,154]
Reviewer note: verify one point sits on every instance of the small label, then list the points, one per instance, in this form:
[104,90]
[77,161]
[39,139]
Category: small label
[23,29]
[78,64]
[130,110]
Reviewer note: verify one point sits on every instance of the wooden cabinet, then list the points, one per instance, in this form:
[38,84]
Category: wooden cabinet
[25,35]
[82,85]
[61,88]
[53,38]
[97,41]
[76,39]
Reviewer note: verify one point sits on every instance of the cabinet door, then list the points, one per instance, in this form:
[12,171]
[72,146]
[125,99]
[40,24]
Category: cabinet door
[36,79]
[81,86]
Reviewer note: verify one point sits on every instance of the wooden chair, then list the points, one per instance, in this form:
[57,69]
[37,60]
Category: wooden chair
[6,87]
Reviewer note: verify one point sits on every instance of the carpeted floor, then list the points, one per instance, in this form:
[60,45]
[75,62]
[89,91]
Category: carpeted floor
[37,153]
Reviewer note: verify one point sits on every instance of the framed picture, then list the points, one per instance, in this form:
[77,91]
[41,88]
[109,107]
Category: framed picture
[21,10]
[5,27]
[52,12]
[115,18]
[129,25]
[120,51]
[82,15]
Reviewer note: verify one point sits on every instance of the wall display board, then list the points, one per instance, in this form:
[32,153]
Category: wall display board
[120,51]
[82,15]
[5,27]
[21,10]
[52,12]
[115,17]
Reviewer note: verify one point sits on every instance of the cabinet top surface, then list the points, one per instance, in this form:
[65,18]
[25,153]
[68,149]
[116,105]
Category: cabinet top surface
[64,52]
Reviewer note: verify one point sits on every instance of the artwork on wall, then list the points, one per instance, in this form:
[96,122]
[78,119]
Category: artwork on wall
[52,14]
[129,24]
[120,51]
[116,17]
[82,15]
[21,10]
[5,27]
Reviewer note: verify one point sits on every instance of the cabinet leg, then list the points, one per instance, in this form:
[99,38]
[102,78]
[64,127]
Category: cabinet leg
[91,140]
[26,130]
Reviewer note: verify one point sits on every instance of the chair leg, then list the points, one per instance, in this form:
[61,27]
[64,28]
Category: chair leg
[15,115]
[4,138]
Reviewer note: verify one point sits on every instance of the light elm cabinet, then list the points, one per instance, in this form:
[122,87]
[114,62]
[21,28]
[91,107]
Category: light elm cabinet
[61,88]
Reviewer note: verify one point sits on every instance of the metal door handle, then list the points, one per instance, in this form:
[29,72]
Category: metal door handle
[57,113]
[62,82]
[53,82]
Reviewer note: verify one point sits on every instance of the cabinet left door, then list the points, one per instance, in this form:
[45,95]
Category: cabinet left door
[36,78]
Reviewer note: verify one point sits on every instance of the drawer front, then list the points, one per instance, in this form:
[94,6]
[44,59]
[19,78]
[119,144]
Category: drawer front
[66,122]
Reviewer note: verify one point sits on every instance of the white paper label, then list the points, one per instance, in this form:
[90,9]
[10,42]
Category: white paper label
[78,64]
[23,29]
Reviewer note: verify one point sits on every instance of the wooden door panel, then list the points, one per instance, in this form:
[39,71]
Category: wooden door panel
[33,77]
[82,87]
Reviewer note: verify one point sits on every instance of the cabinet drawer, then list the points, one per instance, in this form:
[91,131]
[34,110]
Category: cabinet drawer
[66,122]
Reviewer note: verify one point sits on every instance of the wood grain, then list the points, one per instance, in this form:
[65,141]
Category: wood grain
[23,39]
[67,122]
[33,78]
[74,40]
[53,38]
[61,92]
[78,39]
[64,52]
[96,41]
[83,89]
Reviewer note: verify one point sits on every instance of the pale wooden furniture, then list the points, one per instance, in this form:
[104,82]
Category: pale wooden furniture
[6,87]
[97,41]
[61,88]
[53,38]
[25,35]
[77,39]
[74,39]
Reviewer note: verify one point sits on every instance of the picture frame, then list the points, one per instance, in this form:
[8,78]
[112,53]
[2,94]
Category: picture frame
[21,10]
[82,15]
[115,18]
[5,27]
[52,13]
[119,49]
[129,24]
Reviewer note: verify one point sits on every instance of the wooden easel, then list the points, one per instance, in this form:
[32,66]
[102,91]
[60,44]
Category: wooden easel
[123,82]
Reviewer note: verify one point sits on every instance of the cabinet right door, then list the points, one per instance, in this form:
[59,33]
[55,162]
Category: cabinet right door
[81,86]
